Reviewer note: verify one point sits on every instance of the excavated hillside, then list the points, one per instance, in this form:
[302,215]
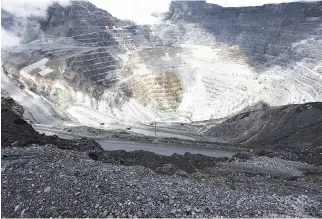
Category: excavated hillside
[201,62]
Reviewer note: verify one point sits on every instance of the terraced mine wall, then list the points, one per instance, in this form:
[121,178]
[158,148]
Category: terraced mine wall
[201,62]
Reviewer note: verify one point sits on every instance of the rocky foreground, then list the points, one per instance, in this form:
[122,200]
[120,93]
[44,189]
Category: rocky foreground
[49,182]
[45,176]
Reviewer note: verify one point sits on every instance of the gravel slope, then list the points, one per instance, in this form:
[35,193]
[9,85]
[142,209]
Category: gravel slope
[50,182]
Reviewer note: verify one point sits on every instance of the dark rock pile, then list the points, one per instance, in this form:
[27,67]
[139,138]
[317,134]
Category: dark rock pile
[289,125]
[292,132]
[162,164]
[16,132]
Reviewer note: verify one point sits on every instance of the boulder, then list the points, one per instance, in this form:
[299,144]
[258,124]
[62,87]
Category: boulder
[168,169]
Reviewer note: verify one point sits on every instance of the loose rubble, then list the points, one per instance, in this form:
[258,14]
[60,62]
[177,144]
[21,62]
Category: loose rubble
[43,181]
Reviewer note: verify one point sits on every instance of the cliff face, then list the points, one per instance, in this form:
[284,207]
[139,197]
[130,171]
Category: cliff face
[202,62]
[78,18]
[268,34]
[292,125]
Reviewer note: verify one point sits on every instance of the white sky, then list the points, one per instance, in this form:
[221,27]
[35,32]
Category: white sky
[8,39]
[240,3]
[25,8]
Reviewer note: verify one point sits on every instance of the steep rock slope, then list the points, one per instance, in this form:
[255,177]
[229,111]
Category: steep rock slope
[269,53]
[296,125]
[268,34]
